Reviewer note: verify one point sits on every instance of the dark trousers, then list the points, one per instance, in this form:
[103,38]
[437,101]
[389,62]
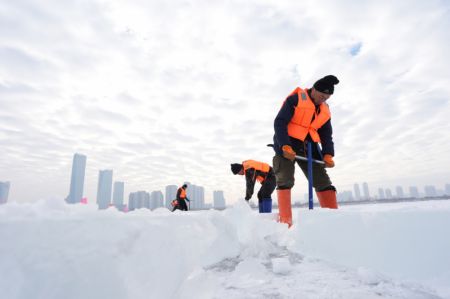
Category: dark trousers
[181,205]
[284,170]
[267,187]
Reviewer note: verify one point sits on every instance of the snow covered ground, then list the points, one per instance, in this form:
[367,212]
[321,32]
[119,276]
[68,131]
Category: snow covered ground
[53,250]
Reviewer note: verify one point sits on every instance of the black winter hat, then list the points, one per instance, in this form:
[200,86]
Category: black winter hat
[184,186]
[235,168]
[326,84]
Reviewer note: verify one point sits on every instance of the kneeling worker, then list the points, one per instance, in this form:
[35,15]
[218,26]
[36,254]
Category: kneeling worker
[261,172]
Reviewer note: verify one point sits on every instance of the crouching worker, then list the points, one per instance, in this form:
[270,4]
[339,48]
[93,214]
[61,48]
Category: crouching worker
[180,202]
[261,172]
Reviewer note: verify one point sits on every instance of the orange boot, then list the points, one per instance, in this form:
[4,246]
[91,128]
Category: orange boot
[284,206]
[327,199]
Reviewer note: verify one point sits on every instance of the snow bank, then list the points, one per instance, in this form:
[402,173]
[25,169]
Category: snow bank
[53,250]
[407,241]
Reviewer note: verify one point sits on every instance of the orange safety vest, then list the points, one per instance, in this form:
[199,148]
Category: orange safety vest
[183,193]
[261,166]
[301,123]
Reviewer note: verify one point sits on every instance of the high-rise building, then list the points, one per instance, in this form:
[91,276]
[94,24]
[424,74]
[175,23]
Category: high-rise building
[77,179]
[200,197]
[343,196]
[156,200]
[171,194]
[219,200]
[139,200]
[366,191]
[118,194]
[399,191]
[4,192]
[381,193]
[357,192]
[388,193]
[413,192]
[430,191]
[145,202]
[447,189]
[104,188]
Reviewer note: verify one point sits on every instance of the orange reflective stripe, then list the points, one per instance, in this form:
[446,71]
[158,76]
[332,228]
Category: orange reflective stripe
[301,123]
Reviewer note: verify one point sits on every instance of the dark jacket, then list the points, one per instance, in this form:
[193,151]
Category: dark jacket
[281,136]
[250,179]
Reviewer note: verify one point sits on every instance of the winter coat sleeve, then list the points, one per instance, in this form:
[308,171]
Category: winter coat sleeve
[326,138]
[179,193]
[250,183]
[282,120]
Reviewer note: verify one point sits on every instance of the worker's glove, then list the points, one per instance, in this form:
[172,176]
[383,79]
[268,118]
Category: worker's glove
[188,199]
[288,152]
[328,159]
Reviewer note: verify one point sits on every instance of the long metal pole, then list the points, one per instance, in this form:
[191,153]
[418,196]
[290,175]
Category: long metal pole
[310,177]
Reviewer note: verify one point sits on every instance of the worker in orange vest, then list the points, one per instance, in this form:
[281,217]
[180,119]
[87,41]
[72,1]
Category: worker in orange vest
[180,202]
[304,117]
[261,172]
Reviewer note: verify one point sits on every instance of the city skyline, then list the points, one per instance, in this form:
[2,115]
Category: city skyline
[429,191]
[114,194]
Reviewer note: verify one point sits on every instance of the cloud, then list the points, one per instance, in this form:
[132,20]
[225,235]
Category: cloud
[164,92]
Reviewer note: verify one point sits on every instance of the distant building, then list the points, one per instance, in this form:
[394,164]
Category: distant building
[344,196]
[447,189]
[156,200]
[430,191]
[381,193]
[145,202]
[388,193]
[366,191]
[196,195]
[413,192]
[357,192]
[104,188]
[219,200]
[171,194]
[4,192]
[118,195]
[77,179]
[399,191]
[199,198]
[138,200]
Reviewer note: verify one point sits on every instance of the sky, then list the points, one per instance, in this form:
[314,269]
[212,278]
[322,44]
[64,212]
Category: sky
[164,92]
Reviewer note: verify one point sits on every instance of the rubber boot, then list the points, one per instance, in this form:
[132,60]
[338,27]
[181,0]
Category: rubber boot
[284,206]
[327,199]
[266,205]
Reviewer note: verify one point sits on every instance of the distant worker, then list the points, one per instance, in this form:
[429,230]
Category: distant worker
[261,172]
[180,202]
[304,117]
